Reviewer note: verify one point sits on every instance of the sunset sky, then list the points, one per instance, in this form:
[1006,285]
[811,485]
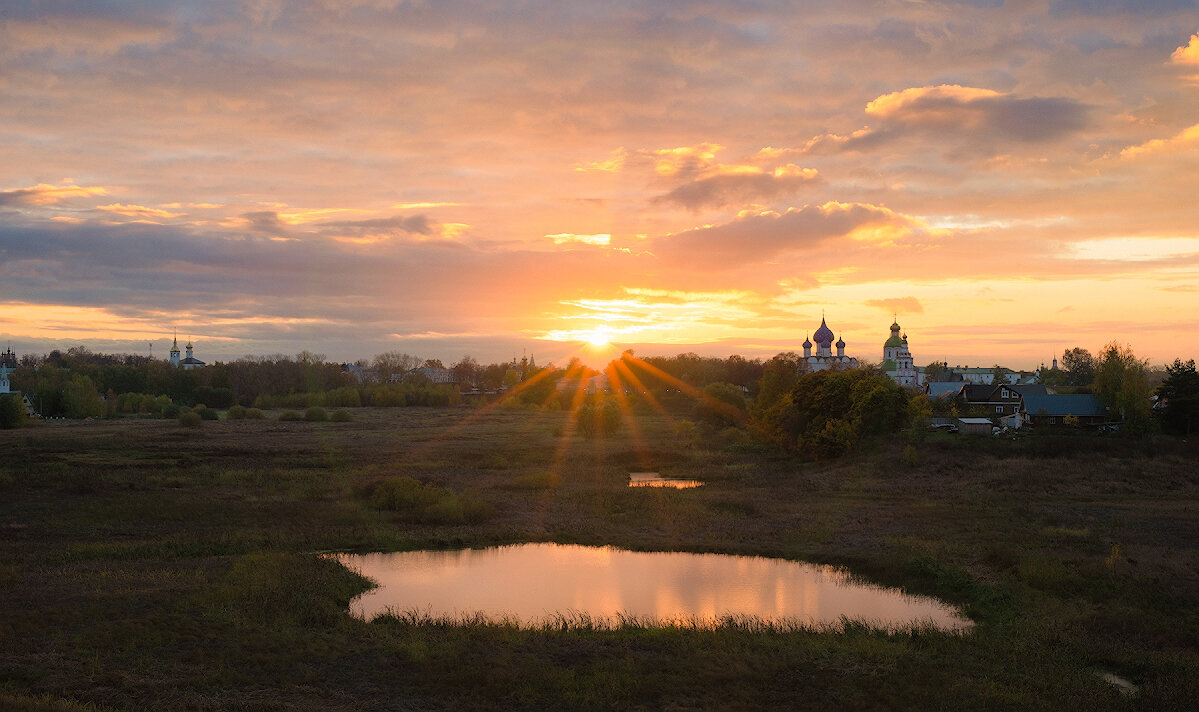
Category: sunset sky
[489,178]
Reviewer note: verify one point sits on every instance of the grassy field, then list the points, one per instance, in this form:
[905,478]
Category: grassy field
[145,565]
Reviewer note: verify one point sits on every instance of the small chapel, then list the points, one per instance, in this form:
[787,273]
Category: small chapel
[187,363]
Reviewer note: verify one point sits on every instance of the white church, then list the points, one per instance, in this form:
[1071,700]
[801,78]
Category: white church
[897,359]
[824,358]
[187,363]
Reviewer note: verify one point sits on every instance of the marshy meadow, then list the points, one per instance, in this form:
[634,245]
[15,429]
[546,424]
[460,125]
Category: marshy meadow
[145,565]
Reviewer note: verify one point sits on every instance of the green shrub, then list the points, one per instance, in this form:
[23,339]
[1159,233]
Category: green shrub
[190,419]
[291,415]
[600,418]
[236,412]
[12,412]
[255,414]
[684,429]
[341,416]
[170,410]
[721,404]
[316,414]
[207,413]
[428,504]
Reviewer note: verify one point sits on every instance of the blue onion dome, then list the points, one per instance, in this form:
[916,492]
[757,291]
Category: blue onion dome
[823,335]
[840,343]
[806,343]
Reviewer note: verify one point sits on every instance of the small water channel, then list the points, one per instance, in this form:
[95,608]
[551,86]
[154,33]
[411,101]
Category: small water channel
[535,582]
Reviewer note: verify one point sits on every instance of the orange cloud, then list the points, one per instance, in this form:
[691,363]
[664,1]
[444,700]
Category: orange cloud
[137,211]
[1188,54]
[46,194]
[1184,140]
[913,103]
[969,112]
[567,237]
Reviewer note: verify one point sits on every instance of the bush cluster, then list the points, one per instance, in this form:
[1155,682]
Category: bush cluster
[599,417]
[428,504]
[12,412]
[825,414]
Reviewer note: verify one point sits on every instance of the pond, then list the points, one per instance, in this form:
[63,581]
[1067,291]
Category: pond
[534,583]
[653,479]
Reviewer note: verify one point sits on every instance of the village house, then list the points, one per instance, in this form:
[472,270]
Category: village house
[1053,409]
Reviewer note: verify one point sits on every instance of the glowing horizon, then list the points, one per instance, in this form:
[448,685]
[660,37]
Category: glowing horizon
[1008,181]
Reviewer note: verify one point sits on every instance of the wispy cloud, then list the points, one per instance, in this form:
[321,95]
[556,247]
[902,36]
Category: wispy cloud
[46,194]
[137,211]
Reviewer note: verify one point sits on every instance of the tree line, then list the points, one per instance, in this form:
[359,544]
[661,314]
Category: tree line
[777,399]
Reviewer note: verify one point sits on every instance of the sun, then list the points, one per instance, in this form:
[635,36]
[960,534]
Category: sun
[599,336]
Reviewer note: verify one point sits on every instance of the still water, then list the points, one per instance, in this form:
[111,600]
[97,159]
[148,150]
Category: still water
[653,479]
[534,582]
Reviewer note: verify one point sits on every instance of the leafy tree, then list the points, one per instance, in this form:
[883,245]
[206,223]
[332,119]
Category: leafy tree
[12,412]
[778,378]
[722,404]
[827,412]
[1121,383]
[599,417]
[467,373]
[80,399]
[938,371]
[1079,367]
[1179,396]
[391,363]
[920,410]
[999,375]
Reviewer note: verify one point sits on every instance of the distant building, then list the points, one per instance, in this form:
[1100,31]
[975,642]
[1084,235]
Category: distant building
[975,426]
[1053,409]
[187,363]
[824,359]
[976,375]
[434,374]
[943,389]
[8,362]
[897,360]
